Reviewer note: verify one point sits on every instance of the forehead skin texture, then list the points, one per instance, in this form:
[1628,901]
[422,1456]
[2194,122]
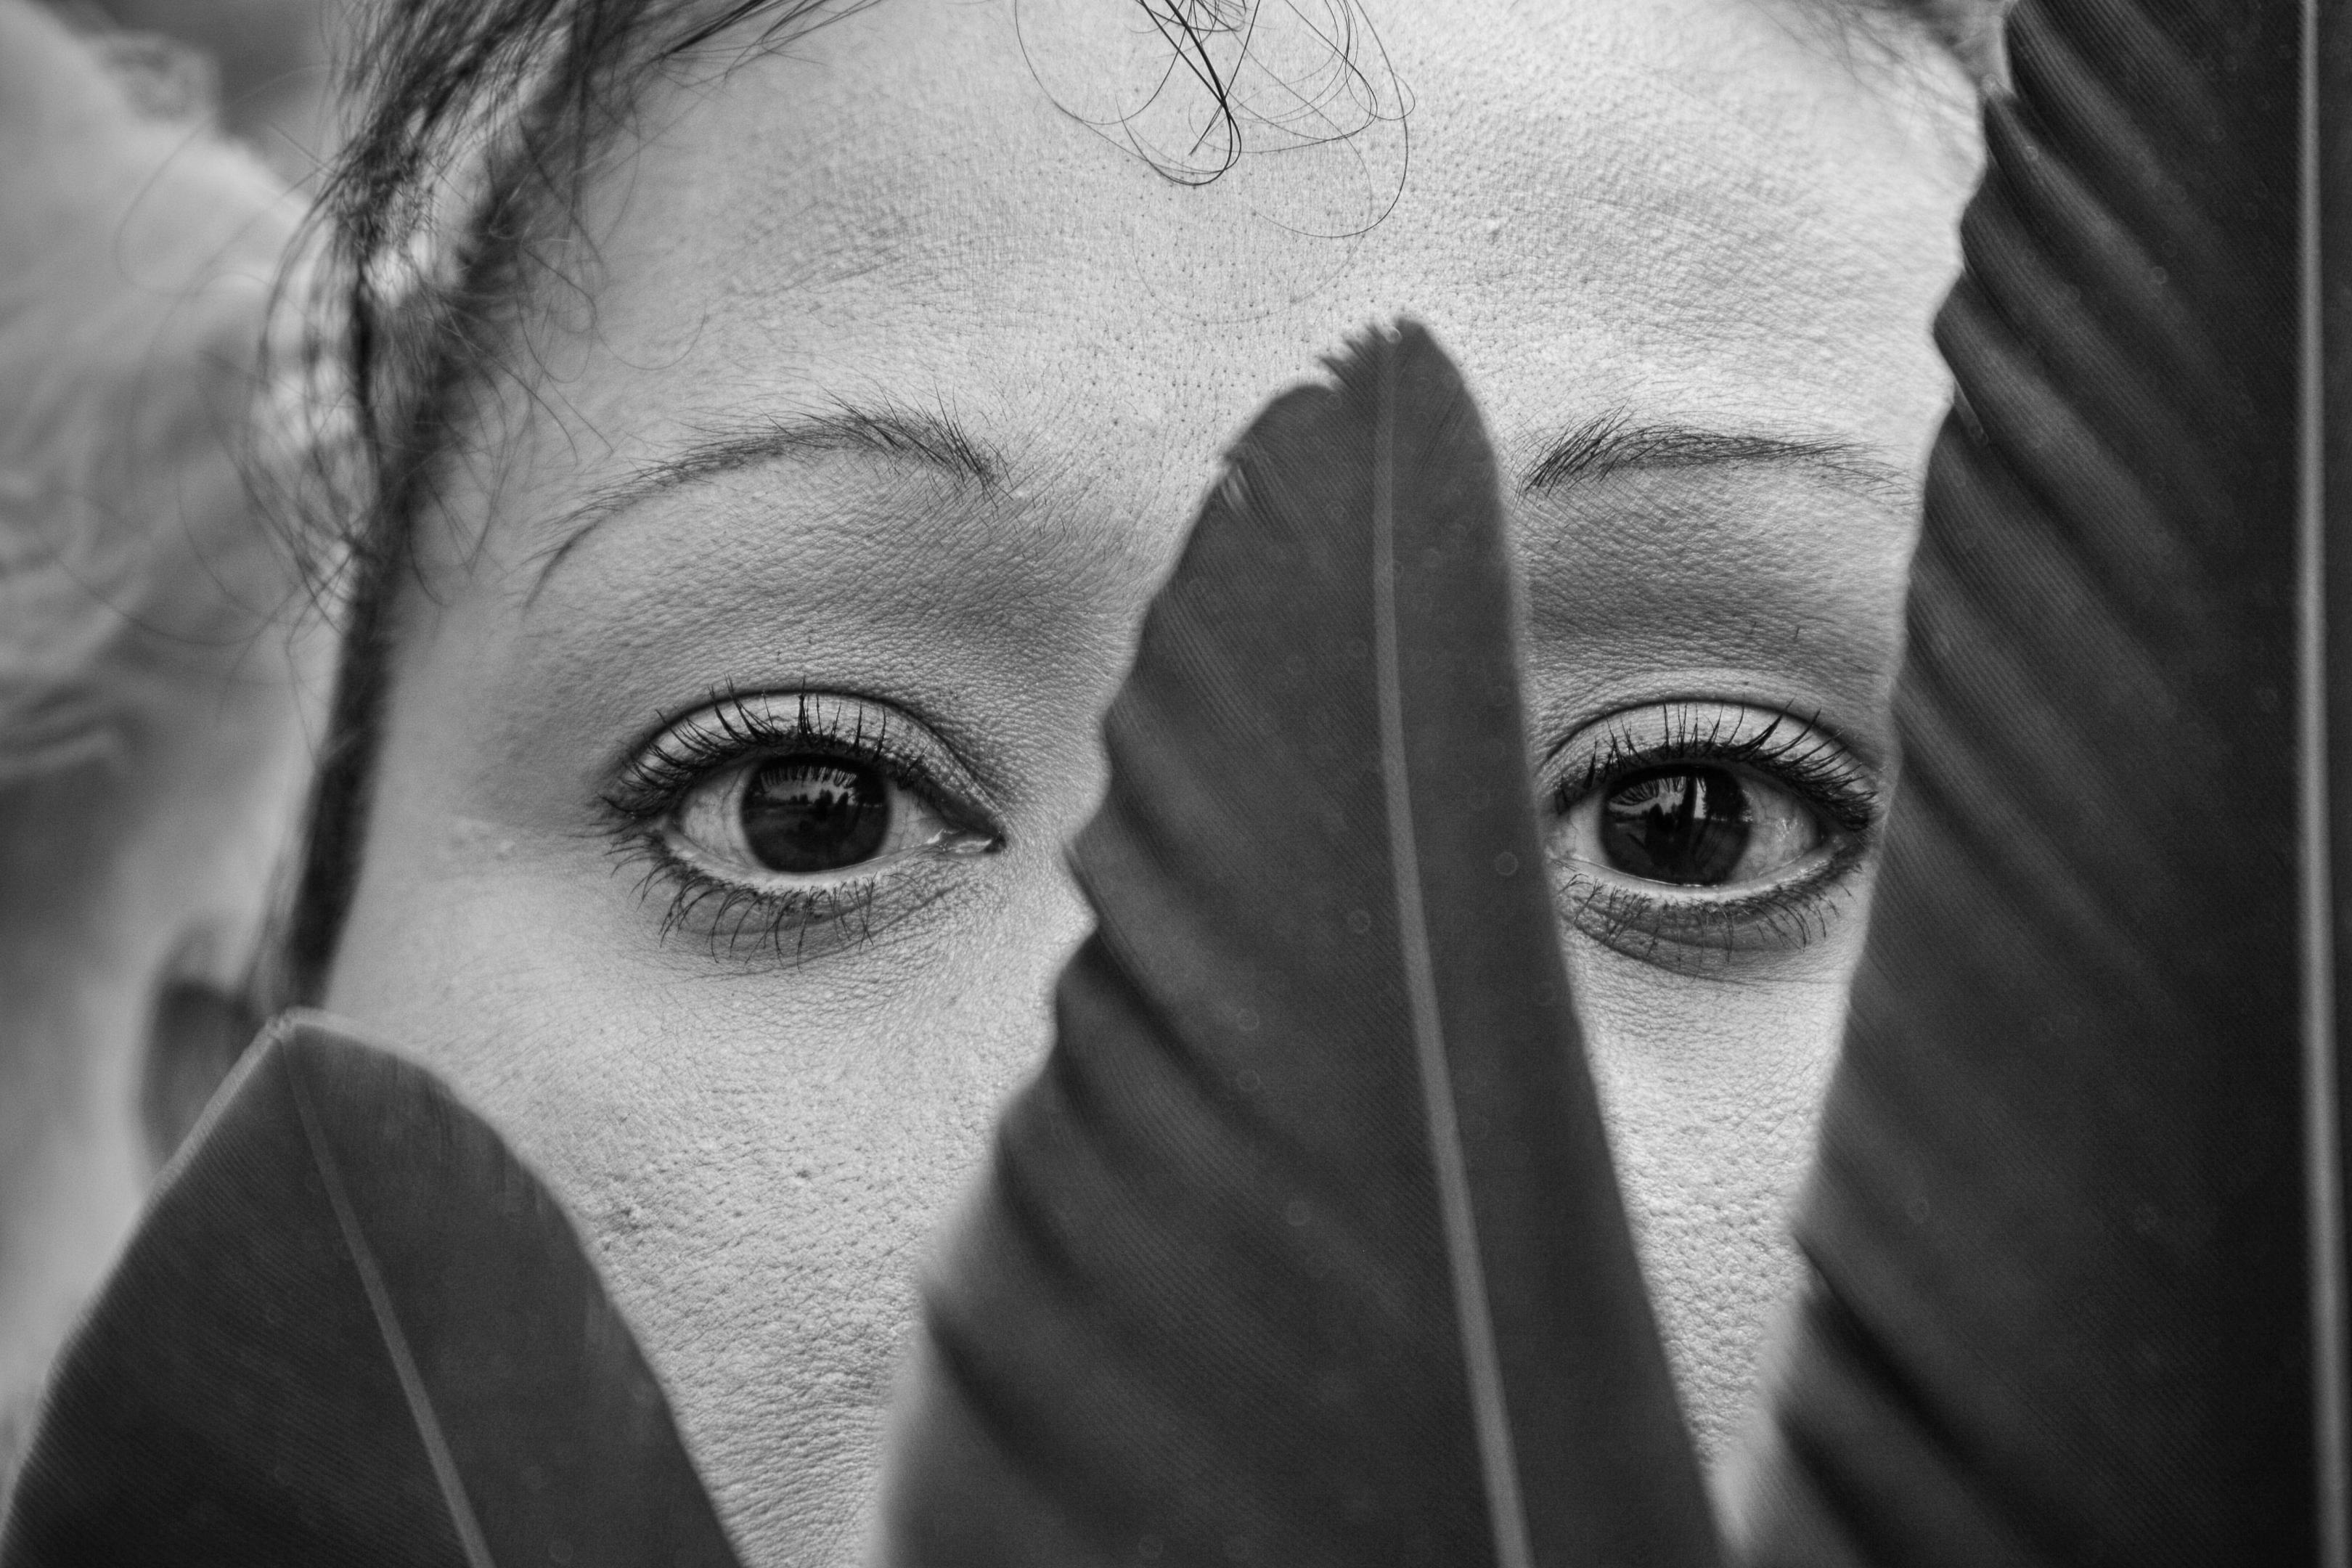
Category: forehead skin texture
[1664,211]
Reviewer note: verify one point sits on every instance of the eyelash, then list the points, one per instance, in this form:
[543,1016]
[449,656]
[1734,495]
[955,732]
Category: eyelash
[734,728]
[1795,755]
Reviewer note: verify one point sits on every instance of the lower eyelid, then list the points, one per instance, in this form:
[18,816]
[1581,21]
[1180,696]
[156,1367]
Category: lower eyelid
[1686,929]
[1825,860]
[744,923]
[736,920]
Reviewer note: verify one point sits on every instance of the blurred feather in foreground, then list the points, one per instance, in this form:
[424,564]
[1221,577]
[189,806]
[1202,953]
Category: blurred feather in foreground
[353,1329]
[2058,1222]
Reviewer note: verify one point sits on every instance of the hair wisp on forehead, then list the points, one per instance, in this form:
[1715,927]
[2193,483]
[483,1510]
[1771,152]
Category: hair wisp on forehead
[472,126]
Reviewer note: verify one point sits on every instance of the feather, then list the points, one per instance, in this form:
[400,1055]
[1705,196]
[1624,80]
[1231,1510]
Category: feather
[1304,1247]
[353,1329]
[2060,1310]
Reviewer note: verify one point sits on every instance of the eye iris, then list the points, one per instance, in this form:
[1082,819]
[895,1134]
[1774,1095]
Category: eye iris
[814,814]
[1684,825]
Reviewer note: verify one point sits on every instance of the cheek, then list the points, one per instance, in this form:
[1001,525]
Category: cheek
[757,1158]
[1712,1092]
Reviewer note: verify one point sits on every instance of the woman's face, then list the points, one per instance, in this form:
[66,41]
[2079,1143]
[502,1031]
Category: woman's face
[750,688]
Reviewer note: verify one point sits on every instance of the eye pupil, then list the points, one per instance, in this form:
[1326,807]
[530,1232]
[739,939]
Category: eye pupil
[1684,825]
[804,815]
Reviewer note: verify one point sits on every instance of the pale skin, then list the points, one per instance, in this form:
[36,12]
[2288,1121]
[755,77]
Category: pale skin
[1695,215]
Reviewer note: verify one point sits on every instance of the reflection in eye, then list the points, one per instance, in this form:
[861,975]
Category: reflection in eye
[801,815]
[775,817]
[806,814]
[1699,827]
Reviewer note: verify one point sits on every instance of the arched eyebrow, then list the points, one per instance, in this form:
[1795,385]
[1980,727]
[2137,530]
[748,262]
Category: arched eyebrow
[931,440]
[1608,444]
[910,436]
[1613,443]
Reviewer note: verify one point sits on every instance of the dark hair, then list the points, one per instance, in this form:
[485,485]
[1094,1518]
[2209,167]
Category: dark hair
[477,122]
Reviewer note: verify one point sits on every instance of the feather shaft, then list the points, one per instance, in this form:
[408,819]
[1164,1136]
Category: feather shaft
[2324,1164]
[1315,1174]
[387,1323]
[1481,1360]
[353,1327]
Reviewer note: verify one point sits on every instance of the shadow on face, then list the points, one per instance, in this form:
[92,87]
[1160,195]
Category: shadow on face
[749,686]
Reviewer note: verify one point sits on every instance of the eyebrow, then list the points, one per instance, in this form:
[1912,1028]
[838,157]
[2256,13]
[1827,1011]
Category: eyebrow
[1609,444]
[1612,443]
[933,440]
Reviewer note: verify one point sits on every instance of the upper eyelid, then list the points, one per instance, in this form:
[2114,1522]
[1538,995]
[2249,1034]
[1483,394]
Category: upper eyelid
[1812,718]
[1828,761]
[903,739]
[740,718]
[1769,720]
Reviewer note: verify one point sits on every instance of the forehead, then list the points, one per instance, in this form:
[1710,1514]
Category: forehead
[1680,206]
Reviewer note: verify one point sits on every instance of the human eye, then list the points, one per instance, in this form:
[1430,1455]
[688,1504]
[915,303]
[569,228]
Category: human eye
[787,823]
[1687,831]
